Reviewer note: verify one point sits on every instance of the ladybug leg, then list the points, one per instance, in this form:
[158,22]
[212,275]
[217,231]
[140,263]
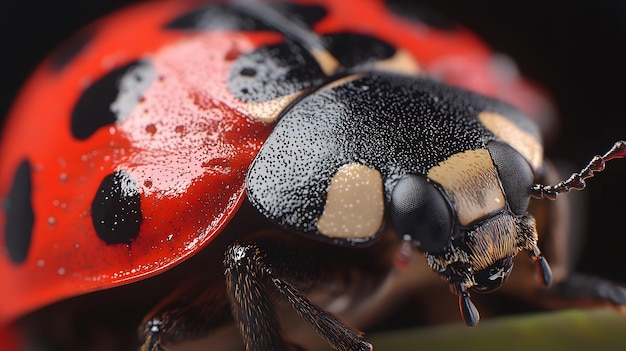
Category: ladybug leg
[252,271]
[191,312]
[585,288]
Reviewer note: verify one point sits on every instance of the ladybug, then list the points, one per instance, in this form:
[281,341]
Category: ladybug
[265,158]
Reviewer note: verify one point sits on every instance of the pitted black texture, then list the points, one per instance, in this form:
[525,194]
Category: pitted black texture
[229,17]
[395,124]
[116,209]
[111,98]
[19,215]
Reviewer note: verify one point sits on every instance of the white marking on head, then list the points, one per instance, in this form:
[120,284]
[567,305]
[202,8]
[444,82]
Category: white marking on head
[471,178]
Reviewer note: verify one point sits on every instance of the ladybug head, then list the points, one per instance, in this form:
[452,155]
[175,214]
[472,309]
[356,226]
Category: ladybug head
[468,215]
[480,258]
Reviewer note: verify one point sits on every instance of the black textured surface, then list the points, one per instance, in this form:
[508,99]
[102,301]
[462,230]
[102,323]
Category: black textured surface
[394,124]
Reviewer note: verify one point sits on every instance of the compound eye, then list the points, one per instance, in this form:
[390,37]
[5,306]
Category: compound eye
[419,209]
[493,277]
[515,174]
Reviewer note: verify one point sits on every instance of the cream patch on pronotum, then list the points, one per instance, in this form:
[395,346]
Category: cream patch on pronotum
[509,132]
[355,203]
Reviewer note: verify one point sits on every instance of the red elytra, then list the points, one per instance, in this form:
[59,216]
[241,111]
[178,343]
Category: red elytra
[188,143]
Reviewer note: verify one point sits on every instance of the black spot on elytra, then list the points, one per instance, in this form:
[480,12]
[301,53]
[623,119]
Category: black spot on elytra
[116,209]
[420,13]
[64,55]
[352,49]
[273,71]
[19,215]
[111,98]
[229,17]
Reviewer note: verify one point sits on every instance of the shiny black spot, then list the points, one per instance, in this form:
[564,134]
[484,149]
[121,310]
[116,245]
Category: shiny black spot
[64,55]
[111,98]
[19,215]
[229,17]
[413,11]
[356,49]
[116,209]
[273,71]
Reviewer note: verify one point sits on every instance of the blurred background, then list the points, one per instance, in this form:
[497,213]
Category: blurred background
[575,49]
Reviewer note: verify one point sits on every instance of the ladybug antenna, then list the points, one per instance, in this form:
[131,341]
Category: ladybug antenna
[577,180]
[469,312]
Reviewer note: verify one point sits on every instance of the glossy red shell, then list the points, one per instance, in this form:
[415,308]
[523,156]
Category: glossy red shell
[188,143]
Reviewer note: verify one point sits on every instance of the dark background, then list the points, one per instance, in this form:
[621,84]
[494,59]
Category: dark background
[573,48]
